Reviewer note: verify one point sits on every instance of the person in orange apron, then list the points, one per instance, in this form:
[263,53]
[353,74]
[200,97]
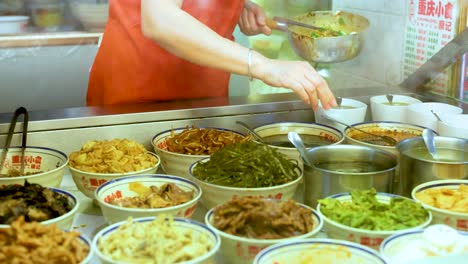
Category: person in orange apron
[162,50]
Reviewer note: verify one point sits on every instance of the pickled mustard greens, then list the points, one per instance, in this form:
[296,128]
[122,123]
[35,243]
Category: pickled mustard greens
[366,212]
[247,165]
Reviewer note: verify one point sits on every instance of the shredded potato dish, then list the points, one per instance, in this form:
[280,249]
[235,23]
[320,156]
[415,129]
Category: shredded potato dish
[112,156]
[25,243]
[158,241]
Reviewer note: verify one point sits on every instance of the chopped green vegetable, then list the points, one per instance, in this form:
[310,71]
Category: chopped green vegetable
[247,165]
[366,212]
[341,21]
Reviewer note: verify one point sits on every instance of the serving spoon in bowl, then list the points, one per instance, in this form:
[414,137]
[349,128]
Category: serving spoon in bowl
[389,140]
[428,138]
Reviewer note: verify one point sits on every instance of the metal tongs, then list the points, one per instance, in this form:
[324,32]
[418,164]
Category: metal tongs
[11,130]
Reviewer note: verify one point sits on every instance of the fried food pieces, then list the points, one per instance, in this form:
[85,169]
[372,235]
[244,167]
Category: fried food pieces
[447,199]
[39,244]
[112,156]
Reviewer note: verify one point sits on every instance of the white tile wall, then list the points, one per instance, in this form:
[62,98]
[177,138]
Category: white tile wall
[381,57]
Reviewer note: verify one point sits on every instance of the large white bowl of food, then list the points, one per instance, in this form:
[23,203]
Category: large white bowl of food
[36,203]
[101,161]
[156,240]
[147,195]
[37,243]
[44,166]
[434,244]
[249,224]
[179,148]
[447,200]
[367,217]
[318,250]
[245,169]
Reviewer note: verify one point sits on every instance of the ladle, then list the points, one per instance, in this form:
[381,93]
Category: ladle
[251,131]
[436,115]
[389,140]
[296,140]
[339,100]
[11,130]
[389,98]
[428,137]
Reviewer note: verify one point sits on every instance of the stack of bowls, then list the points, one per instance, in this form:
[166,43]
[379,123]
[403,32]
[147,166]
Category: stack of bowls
[421,113]
[120,188]
[383,110]
[350,112]
[48,164]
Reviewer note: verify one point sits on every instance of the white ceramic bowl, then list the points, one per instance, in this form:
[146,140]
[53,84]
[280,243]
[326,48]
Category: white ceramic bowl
[175,163]
[64,221]
[383,111]
[87,242]
[353,115]
[280,132]
[93,16]
[10,25]
[214,195]
[454,126]
[379,126]
[240,250]
[119,188]
[317,250]
[420,114]
[51,162]
[369,238]
[456,220]
[181,223]
[87,182]
[435,244]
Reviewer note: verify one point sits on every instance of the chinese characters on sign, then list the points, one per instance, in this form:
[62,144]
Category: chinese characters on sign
[431,25]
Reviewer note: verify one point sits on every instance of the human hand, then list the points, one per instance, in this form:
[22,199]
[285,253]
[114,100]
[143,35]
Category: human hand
[253,20]
[298,76]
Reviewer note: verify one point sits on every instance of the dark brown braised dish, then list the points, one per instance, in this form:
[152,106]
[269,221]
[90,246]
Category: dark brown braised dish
[34,202]
[259,218]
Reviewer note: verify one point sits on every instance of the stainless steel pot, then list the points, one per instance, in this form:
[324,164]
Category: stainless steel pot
[343,168]
[326,49]
[417,166]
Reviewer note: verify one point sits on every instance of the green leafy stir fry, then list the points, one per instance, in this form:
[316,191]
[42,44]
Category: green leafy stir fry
[365,212]
[247,165]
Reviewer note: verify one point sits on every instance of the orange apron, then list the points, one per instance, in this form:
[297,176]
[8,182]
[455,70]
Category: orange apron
[130,68]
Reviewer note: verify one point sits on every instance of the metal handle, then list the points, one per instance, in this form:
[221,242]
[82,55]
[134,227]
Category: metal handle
[11,130]
[273,24]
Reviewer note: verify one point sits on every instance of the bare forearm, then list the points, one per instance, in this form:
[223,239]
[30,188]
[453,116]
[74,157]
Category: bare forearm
[178,32]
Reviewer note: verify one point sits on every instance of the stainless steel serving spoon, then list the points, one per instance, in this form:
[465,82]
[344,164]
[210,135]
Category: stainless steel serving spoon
[296,140]
[389,140]
[251,131]
[389,98]
[428,137]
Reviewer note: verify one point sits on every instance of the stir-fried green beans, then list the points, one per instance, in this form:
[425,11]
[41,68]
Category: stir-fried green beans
[247,165]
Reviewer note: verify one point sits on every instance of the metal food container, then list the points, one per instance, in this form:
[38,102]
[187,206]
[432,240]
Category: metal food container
[417,166]
[343,168]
